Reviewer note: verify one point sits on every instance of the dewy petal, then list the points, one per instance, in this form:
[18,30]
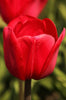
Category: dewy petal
[26,25]
[43,45]
[51,60]
[50,28]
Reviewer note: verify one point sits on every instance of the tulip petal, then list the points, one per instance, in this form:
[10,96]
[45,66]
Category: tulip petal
[31,28]
[26,25]
[34,57]
[13,54]
[35,7]
[7,54]
[51,60]
[50,28]
[11,9]
[42,47]
[26,44]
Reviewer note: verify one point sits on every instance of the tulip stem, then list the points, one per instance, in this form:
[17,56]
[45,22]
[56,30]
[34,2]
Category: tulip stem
[20,90]
[27,95]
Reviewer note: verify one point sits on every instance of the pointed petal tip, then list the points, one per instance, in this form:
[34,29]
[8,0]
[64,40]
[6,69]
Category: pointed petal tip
[63,32]
[50,27]
[6,32]
[7,28]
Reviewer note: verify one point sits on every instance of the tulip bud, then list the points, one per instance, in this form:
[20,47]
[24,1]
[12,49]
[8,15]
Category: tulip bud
[31,47]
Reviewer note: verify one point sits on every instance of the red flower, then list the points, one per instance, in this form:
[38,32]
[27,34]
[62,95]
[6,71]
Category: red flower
[13,8]
[31,47]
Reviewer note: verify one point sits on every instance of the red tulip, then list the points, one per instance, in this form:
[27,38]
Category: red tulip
[31,47]
[13,8]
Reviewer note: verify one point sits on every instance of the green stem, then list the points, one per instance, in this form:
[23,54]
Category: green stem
[20,90]
[27,95]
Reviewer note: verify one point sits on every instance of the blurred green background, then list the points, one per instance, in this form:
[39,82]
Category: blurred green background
[54,86]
